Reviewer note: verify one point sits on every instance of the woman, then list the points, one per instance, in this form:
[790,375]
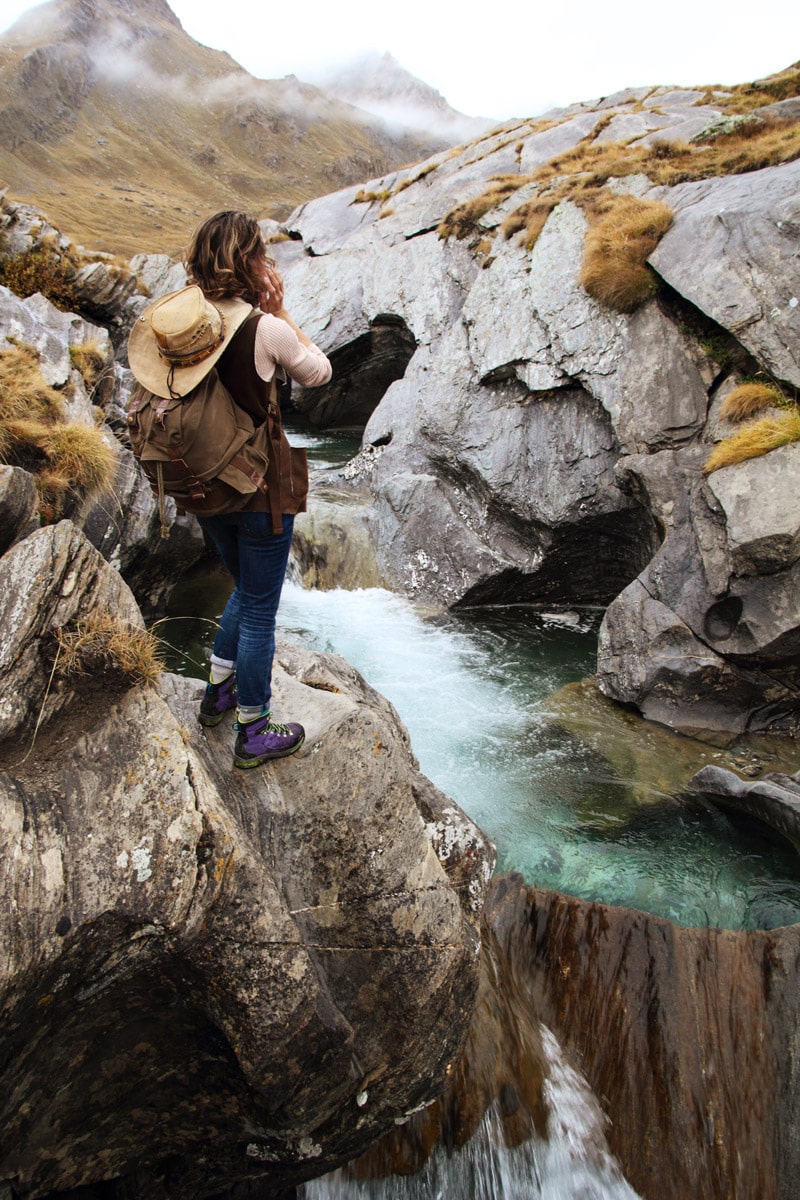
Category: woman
[228,260]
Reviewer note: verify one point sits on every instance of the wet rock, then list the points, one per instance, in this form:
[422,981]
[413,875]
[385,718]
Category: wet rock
[332,546]
[678,1030]
[773,799]
[218,979]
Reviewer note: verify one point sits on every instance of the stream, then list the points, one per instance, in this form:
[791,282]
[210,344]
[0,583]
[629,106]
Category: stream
[578,796]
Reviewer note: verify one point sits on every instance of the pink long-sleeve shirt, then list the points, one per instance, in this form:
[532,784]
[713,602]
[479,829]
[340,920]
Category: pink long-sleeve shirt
[277,345]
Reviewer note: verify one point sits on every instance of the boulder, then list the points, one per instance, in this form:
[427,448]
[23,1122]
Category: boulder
[19,505]
[332,547]
[50,580]
[731,252]
[774,799]
[158,274]
[217,979]
[50,331]
[704,641]
[762,514]
[125,527]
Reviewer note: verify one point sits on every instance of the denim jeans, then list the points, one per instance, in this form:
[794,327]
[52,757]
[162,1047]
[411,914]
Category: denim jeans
[256,558]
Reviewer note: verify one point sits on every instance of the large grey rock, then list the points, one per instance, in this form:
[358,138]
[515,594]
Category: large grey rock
[773,799]
[49,330]
[158,273]
[102,290]
[125,527]
[639,367]
[49,581]
[19,504]
[762,510]
[702,642]
[731,251]
[214,978]
[534,441]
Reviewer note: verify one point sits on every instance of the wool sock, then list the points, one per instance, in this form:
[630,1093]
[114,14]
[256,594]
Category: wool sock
[221,669]
[245,715]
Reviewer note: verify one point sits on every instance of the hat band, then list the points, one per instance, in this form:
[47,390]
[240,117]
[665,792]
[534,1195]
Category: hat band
[190,358]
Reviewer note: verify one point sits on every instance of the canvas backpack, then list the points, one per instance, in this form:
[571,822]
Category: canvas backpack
[202,448]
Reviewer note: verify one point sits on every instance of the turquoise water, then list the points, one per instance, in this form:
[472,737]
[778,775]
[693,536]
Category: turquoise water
[576,795]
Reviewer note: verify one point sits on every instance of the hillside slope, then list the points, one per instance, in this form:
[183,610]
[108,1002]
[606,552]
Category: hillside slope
[125,130]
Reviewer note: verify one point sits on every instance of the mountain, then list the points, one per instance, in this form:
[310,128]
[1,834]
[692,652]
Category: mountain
[378,84]
[125,130]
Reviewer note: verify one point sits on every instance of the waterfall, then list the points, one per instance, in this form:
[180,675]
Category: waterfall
[570,1162]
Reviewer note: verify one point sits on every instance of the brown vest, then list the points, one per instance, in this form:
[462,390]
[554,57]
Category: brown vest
[287,474]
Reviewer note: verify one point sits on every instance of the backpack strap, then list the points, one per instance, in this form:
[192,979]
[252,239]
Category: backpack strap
[275,448]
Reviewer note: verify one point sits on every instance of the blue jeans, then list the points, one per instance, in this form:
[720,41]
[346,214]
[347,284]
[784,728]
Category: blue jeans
[256,558]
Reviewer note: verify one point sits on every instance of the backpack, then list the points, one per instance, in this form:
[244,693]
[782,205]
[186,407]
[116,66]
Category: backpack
[202,448]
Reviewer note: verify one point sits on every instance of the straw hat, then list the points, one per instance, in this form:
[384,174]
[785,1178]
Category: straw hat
[179,337]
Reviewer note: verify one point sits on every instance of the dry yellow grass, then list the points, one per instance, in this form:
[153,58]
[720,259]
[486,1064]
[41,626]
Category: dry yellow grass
[582,172]
[102,643]
[23,390]
[625,232]
[89,359]
[747,96]
[366,197]
[754,440]
[748,399]
[462,222]
[81,453]
[420,175]
[71,461]
[528,220]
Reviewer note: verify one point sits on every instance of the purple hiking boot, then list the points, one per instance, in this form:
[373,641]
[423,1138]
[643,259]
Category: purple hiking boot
[219,698]
[263,739]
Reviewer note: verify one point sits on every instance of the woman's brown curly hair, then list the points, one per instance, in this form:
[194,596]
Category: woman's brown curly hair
[226,257]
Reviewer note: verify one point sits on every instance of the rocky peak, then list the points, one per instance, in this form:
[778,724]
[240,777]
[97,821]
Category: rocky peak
[378,84]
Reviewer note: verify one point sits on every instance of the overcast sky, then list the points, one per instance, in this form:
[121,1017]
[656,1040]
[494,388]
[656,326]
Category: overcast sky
[515,58]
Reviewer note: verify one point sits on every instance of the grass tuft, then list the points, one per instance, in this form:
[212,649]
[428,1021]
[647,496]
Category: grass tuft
[82,455]
[528,221]
[749,399]
[462,221]
[88,358]
[366,197]
[44,270]
[71,461]
[625,233]
[102,643]
[754,440]
[23,390]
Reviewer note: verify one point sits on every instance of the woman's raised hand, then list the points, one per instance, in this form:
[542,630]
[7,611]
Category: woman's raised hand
[271,299]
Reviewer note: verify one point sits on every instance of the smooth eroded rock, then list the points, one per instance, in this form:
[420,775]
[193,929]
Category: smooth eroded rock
[215,977]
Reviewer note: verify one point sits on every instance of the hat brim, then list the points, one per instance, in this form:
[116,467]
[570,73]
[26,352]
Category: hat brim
[153,372]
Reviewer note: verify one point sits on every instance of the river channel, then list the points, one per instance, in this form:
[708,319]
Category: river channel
[577,795]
